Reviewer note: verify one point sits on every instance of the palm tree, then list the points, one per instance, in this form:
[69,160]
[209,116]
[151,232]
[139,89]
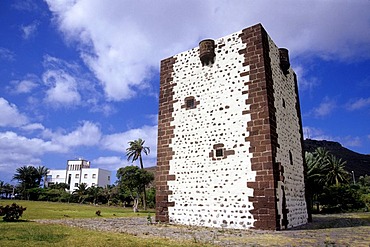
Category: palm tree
[133,153]
[109,192]
[28,178]
[335,172]
[81,192]
[42,172]
[315,176]
[94,192]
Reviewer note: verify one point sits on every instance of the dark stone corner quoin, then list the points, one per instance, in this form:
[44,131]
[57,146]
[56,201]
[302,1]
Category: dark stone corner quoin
[263,130]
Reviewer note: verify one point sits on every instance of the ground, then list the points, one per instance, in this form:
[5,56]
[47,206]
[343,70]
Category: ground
[325,230]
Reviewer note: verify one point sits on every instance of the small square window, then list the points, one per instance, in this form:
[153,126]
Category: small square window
[108,178]
[76,184]
[85,175]
[94,176]
[219,152]
[77,175]
[93,184]
[57,176]
[190,103]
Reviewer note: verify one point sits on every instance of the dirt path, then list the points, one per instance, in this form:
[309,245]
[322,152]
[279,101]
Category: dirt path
[325,230]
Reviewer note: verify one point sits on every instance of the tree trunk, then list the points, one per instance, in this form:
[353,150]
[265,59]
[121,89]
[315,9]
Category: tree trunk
[144,198]
[136,202]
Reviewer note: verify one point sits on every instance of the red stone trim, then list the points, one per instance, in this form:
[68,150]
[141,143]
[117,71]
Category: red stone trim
[165,135]
[262,127]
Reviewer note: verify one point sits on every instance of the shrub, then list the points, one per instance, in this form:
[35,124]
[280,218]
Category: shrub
[98,213]
[12,212]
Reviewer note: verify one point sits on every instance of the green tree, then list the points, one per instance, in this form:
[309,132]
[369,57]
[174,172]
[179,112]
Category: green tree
[27,176]
[59,186]
[94,192]
[315,175]
[42,172]
[133,153]
[109,192]
[335,171]
[81,192]
[7,190]
[135,180]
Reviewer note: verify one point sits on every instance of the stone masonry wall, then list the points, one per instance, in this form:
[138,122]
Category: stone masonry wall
[220,160]
[290,192]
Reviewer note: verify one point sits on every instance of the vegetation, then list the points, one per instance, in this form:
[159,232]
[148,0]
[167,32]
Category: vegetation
[133,153]
[330,187]
[128,190]
[336,230]
[134,180]
[58,210]
[11,212]
[36,234]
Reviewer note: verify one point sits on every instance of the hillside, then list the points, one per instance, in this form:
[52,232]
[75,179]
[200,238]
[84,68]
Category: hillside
[359,163]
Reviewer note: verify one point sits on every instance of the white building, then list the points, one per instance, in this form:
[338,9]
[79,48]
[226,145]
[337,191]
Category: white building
[78,172]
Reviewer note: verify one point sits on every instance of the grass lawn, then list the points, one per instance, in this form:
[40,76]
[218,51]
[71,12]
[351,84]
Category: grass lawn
[351,229]
[28,233]
[33,234]
[56,210]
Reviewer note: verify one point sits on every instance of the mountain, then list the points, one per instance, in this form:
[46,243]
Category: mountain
[358,163]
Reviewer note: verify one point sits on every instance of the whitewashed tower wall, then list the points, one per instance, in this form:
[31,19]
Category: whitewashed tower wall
[230,137]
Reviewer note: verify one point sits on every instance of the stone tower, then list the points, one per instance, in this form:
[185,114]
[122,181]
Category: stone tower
[230,136]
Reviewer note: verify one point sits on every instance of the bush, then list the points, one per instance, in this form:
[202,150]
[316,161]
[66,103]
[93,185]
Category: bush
[342,198]
[12,212]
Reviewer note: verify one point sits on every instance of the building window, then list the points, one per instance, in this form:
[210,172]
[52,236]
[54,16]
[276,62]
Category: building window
[220,152]
[85,175]
[76,184]
[77,175]
[108,178]
[94,176]
[57,176]
[290,158]
[190,103]
[93,184]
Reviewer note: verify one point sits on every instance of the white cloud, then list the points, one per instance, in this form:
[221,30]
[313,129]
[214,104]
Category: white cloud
[33,126]
[6,54]
[325,108]
[358,104]
[24,5]
[10,116]
[29,31]
[305,82]
[119,142]
[112,163]
[17,150]
[315,133]
[318,134]
[121,41]
[25,85]
[62,88]
[88,134]
[351,141]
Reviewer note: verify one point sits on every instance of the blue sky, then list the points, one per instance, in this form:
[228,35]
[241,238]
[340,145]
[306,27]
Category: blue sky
[81,78]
